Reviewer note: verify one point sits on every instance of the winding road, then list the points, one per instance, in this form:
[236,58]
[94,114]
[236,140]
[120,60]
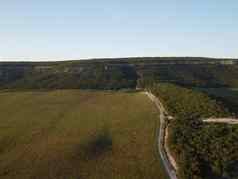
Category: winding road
[169,167]
[168,161]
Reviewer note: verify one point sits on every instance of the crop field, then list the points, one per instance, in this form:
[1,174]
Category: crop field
[72,134]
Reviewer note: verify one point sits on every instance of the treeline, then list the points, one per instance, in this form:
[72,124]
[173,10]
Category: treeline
[203,151]
[90,77]
[228,96]
[183,102]
[192,75]
[120,73]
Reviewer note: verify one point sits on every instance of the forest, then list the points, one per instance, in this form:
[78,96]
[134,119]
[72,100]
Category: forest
[119,73]
[202,150]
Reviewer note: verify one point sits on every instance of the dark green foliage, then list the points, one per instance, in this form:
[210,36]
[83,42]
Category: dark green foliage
[183,102]
[227,96]
[96,76]
[203,151]
[195,75]
[120,73]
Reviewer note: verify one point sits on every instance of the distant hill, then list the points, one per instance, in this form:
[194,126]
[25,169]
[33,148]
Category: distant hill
[119,73]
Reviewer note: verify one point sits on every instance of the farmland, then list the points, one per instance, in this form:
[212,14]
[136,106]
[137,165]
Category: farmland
[78,134]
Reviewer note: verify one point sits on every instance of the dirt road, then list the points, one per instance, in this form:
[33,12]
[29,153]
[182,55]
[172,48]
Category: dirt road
[167,159]
[222,120]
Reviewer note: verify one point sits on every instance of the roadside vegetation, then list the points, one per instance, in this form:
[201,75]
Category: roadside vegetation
[78,134]
[183,102]
[202,150]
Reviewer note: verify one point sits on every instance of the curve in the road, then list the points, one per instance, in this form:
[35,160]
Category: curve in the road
[161,138]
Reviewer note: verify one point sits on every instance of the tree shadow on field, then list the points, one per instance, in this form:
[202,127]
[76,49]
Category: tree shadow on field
[100,144]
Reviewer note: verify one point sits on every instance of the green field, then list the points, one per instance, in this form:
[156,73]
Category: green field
[72,134]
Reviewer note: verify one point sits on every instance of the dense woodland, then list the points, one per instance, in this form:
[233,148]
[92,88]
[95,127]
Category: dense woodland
[119,73]
[183,102]
[203,151]
[228,96]
[194,75]
[94,76]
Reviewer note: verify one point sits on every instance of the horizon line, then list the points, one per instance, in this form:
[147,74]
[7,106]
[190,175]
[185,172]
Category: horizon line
[22,59]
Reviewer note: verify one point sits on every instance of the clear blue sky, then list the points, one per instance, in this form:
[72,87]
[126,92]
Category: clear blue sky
[74,29]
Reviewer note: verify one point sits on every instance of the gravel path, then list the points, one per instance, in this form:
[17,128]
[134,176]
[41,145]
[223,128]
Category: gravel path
[167,159]
[221,120]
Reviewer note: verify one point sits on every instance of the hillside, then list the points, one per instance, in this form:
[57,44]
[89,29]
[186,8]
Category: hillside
[119,73]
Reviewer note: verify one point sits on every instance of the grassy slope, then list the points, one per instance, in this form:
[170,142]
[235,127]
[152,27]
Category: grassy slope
[77,134]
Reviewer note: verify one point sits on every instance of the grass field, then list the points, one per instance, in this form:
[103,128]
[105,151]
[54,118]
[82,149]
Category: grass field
[72,134]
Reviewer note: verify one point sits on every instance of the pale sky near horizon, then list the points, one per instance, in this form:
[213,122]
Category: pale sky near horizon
[74,29]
